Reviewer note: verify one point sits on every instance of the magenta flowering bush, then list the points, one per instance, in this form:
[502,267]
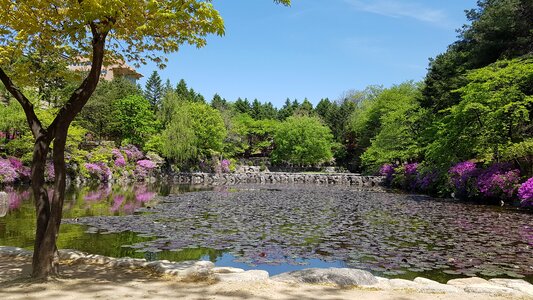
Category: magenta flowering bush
[525,192]
[143,169]
[225,166]
[99,171]
[463,179]
[119,159]
[387,170]
[8,174]
[498,181]
[132,152]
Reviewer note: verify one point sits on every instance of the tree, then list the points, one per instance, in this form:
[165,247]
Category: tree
[134,120]
[131,29]
[196,130]
[302,140]
[98,115]
[498,29]
[154,90]
[492,122]
[219,103]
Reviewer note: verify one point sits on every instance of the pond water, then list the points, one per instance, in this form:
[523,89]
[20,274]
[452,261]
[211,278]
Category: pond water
[285,228]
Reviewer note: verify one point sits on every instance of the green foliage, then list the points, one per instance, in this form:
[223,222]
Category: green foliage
[196,130]
[98,115]
[493,117]
[249,137]
[303,140]
[499,29]
[154,90]
[134,119]
[390,121]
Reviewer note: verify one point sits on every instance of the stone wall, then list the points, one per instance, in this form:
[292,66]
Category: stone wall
[277,178]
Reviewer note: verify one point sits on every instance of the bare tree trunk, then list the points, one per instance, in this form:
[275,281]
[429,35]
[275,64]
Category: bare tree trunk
[49,213]
[43,248]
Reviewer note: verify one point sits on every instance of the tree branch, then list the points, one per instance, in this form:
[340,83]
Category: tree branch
[81,95]
[34,123]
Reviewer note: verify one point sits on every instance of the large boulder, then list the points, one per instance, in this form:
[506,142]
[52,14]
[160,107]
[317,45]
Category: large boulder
[337,276]
[4,204]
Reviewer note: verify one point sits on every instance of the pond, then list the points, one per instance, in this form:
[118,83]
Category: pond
[284,228]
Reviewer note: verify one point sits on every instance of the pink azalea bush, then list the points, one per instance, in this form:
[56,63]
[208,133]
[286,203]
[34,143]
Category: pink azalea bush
[525,192]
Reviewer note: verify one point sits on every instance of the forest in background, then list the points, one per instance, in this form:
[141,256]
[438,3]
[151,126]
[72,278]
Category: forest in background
[465,129]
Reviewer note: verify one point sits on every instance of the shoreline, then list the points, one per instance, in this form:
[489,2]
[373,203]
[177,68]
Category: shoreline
[78,268]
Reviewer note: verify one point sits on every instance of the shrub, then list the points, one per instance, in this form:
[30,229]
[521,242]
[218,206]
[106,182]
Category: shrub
[498,181]
[463,179]
[8,174]
[525,192]
[387,170]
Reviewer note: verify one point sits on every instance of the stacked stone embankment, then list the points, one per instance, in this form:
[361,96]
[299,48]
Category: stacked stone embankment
[277,178]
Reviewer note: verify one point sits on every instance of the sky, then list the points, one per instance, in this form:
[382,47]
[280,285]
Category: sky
[316,48]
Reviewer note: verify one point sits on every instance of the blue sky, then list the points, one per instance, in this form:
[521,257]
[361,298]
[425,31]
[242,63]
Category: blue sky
[316,48]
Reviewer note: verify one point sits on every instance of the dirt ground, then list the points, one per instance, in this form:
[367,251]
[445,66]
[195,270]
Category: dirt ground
[98,282]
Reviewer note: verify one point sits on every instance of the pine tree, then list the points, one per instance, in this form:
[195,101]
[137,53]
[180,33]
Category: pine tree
[154,90]
[219,103]
[182,90]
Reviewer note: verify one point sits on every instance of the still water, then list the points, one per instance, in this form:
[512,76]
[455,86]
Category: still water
[281,229]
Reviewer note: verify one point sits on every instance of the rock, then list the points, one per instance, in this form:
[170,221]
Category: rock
[515,284]
[338,276]
[461,282]
[71,254]
[4,204]
[202,270]
[404,284]
[490,289]
[245,276]
[226,270]
[14,251]
[423,280]
[383,284]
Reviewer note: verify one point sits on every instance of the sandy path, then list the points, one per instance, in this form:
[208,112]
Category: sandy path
[97,282]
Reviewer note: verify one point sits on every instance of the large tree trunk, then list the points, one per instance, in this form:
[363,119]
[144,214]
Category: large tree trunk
[49,213]
[44,247]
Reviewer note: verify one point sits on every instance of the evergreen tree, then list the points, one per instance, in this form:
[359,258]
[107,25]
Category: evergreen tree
[286,111]
[182,90]
[219,103]
[154,90]
[243,106]
[167,87]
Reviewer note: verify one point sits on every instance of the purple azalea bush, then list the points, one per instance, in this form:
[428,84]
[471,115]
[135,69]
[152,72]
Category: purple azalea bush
[99,171]
[525,192]
[387,170]
[463,178]
[8,174]
[119,159]
[225,166]
[143,169]
[133,153]
[498,181]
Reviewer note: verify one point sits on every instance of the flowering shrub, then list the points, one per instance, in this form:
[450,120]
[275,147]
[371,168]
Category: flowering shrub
[49,172]
[498,181]
[99,171]
[132,152]
[387,170]
[225,166]
[119,161]
[463,177]
[427,181]
[143,168]
[8,174]
[525,192]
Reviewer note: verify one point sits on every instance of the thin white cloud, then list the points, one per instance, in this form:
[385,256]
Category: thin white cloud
[401,9]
